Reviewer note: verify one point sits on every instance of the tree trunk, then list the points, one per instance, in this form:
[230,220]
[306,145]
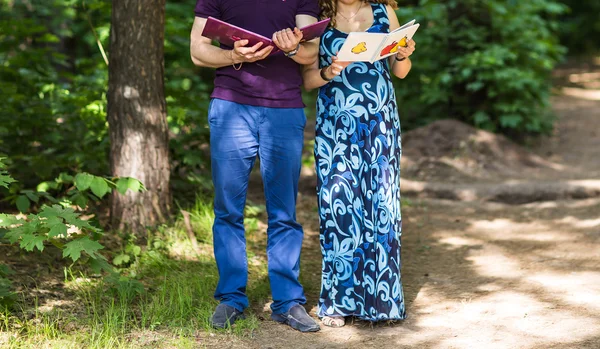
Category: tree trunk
[137,112]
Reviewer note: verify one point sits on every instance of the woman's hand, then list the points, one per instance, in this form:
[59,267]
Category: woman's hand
[287,39]
[335,68]
[242,54]
[405,52]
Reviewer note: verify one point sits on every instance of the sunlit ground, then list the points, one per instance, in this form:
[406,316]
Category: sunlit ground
[475,274]
[484,276]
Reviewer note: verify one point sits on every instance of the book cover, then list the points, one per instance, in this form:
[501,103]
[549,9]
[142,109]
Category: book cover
[371,47]
[227,34]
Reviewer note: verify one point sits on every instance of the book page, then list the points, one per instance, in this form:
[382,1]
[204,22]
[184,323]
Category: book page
[397,38]
[360,47]
[408,24]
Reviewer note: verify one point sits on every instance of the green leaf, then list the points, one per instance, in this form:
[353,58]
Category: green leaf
[31,241]
[47,37]
[5,270]
[58,230]
[511,120]
[33,197]
[44,186]
[5,180]
[100,264]
[80,200]
[480,117]
[83,181]
[475,86]
[99,187]
[74,248]
[58,211]
[135,185]
[68,214]
[122,185]
[52,221]
[6,296]
[133,249]
[23,203]
[7,220]
[49,197]
[121,259]
[64,177]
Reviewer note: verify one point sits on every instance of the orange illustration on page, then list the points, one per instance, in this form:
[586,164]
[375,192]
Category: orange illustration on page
[393,47]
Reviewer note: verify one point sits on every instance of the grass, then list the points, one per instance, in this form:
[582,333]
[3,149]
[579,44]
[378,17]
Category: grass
[172,310]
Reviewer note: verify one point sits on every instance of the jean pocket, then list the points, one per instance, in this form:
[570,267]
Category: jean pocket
[211,113]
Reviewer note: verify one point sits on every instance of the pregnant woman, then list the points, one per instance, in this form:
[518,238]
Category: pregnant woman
[357,154]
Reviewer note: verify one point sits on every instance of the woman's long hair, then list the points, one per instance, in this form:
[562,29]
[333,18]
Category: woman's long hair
[329,8]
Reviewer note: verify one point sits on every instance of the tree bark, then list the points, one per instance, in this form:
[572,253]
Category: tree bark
[137,113]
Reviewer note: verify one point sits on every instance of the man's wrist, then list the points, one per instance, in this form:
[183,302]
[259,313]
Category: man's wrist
[233,58]
[293,52]
[234,61]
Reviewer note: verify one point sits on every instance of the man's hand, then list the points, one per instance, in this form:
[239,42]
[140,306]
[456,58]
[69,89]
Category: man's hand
[243,54]
[287,40]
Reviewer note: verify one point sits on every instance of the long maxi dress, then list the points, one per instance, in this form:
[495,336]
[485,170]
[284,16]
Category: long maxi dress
[357,155]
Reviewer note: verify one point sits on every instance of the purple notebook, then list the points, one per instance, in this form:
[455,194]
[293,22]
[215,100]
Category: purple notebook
[226,34]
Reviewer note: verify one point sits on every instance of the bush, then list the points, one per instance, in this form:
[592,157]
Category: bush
[487,63]
[54,119]
[581,26]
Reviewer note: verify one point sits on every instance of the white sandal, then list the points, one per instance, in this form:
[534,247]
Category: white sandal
[333,321]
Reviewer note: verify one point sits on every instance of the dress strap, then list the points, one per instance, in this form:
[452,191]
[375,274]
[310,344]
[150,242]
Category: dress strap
[380,16]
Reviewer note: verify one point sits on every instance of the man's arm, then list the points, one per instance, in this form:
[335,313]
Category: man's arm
[288,39]
[204,54]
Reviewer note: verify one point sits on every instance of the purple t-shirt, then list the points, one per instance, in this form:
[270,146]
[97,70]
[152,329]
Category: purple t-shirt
[272,82]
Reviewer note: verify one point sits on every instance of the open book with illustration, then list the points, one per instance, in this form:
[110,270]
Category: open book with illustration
[371,47]
[226,34]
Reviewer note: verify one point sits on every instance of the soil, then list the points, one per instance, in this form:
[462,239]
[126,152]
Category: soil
[500,241]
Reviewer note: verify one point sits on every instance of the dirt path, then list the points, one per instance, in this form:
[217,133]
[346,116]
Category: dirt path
[481,274]
[501,245]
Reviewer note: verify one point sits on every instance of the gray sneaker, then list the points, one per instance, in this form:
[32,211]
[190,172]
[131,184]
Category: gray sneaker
[225,316]
[298,319]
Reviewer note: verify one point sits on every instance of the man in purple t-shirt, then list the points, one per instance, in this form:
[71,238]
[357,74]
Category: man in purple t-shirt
[256,110]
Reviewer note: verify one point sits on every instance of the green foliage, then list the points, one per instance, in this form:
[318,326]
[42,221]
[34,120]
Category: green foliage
[79,191]
[5,178]
[60,224]
[6,295]
[188,91]
[53,119]
[178,297]
[580,26]
[487,63]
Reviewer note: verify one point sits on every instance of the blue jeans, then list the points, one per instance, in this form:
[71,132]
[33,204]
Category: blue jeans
[238,133]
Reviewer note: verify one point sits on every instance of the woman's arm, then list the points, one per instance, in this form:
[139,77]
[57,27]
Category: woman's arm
[314,77]
[400,64]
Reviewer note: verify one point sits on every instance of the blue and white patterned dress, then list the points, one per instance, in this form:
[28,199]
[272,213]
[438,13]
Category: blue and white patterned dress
[357,153]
